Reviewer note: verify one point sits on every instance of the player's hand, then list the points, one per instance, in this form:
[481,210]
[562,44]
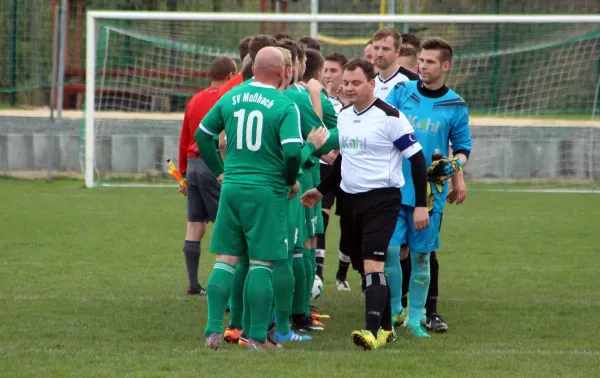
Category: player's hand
[421,218]
[183,190]
[330,157]
[220,178]
[340,95]
[459,190]
[313,86]
[294,189]
[318,137]
[311,197]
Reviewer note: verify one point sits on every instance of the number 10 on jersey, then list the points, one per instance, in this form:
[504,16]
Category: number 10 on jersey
[252,145]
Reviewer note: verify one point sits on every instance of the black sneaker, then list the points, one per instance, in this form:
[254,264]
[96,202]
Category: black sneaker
[196,291]
[436,324]
[301,323]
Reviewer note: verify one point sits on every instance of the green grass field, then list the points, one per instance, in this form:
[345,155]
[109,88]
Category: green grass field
[93,284]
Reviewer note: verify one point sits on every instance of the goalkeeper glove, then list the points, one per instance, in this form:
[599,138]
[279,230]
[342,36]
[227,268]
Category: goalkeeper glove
[443,169]
[433,189]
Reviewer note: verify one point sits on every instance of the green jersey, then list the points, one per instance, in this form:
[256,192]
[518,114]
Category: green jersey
[258,120]
[308,117]
[329,114]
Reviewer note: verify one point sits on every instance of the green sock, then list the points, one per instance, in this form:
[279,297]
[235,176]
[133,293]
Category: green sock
[283,291]
[218,291]
[259,294]
[237,295]
[300,283]
[310,278]
[246,315]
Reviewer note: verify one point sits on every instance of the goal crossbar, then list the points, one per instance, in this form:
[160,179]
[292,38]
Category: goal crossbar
[93,16]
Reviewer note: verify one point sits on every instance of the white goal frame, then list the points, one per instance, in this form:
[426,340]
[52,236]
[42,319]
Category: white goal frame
[314,19]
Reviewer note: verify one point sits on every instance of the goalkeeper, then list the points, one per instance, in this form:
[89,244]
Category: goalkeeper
[439,116]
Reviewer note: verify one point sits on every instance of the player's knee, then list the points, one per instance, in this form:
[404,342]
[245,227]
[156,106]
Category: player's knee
[372,266]
[227,259]
[261,262]
[391,259]
[307,244]
[195,231]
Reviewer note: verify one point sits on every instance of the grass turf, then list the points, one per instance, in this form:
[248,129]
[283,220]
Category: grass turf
[93,284]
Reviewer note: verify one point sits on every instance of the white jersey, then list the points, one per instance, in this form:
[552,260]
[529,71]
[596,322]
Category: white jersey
[337,105]
[384,87]
[372,144]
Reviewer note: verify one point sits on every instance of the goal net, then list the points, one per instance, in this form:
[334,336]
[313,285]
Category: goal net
[532,86]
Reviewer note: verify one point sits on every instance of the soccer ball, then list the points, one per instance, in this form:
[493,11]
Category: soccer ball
[317,288]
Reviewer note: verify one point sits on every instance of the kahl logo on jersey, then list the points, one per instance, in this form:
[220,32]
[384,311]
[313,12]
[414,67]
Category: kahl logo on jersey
[422,124]
[354,143]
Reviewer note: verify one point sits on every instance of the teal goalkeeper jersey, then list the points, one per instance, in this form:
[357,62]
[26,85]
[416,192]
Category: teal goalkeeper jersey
[439,117]
[258,120]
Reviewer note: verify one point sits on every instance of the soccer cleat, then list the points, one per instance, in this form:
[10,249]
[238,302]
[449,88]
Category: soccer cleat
[291,336]
[342,285]
[232,335]
[365,339]
[243,340]
[213,341]
[399,318]
[316,325]
[317,315]
[417,331]
[386,337]
[196,291]
[301,323]
[268,344]
[436,324]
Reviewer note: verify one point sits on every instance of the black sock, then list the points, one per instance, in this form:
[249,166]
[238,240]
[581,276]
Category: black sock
[386,320]
[320,261]
[406,270]
[376,296]
[325,224]
[191,251]
[343,267]
[432,295]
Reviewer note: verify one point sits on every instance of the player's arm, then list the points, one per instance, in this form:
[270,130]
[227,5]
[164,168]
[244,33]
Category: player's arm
[334,177]
[291,143]
[314,89]
[402,135]
[329,114]
[222,145]
[211,125]
[460,137]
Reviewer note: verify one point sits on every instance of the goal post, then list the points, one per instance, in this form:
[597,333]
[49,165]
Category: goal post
[142,67]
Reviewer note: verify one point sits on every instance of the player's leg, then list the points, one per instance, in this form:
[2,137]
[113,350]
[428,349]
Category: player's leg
[341,275]
[228,243]
[236,313]
[264,218]
[284,280]
[405,265]
[434,321]
[393,271]
[202,202]
[326,204]
[421,243]
[377,213]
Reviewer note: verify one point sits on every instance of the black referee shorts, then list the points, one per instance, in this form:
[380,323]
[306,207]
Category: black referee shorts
[203,192]
[367,222]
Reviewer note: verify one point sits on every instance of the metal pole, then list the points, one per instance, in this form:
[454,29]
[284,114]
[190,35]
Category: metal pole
[406,12]
[392,10]
[55,36]
[61,58]
[12,99]
[314,10]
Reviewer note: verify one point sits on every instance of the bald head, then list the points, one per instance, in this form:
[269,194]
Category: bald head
[269,66]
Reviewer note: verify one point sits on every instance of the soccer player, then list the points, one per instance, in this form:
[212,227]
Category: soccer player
[310,43]
[439,116]
[386,49]
[368,52]
[374,137]
[202,187]
[408,59]
[333,71]
[263,160]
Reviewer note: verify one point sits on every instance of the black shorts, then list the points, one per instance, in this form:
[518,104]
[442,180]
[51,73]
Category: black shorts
[203,191]
[367,222]
[329,197]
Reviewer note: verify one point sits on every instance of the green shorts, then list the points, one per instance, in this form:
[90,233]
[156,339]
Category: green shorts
[296,226]
[251,221]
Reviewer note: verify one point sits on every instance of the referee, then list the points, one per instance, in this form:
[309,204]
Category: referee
[373,138]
